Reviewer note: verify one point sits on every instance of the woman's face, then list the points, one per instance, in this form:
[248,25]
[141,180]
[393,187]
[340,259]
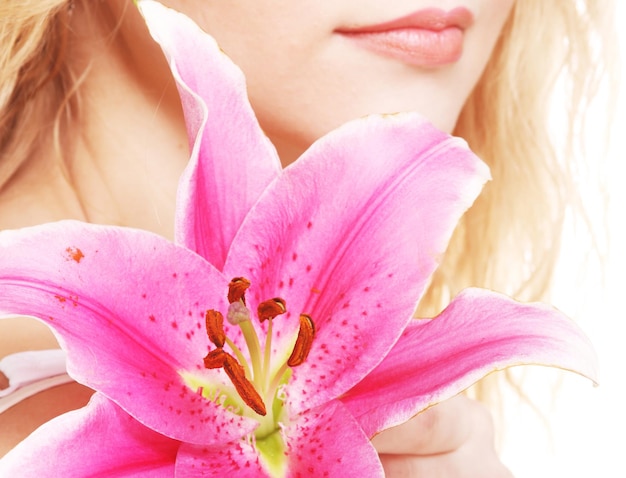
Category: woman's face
[312,66]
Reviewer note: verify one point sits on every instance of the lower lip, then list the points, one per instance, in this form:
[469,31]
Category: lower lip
[414,46]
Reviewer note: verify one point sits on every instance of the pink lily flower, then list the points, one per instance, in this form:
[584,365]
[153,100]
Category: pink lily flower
[275,336]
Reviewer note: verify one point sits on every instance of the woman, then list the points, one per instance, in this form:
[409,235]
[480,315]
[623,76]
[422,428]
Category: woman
[84,88]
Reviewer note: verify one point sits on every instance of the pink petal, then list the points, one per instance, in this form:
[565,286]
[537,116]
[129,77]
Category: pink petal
[128,306]
[232,160]
[238,459]
[350,234]
[97,440]
[324,442]
[328,441]
[478,333]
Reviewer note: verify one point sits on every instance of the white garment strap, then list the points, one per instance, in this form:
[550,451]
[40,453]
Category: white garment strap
[31,372]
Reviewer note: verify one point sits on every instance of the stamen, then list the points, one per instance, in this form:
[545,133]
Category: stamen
[271,308]
[245,381]
[244,387]
[304,342]
[217,358]
[215,327]
[237,288]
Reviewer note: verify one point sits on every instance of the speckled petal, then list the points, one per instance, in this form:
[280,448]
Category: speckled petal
[232,160]
[237,459]
[97,440]
[350,234]
[325,442]
[479,332]
[128,307]
[328,442]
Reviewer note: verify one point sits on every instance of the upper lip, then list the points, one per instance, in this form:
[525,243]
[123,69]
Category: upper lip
[434,19]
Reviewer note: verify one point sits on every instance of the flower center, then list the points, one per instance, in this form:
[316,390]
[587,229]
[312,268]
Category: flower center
[258,383]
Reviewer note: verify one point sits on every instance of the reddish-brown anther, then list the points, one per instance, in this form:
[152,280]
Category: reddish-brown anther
[215,327]
[243,386]
[215,358]
[304,342]
[271,308]
[237,288]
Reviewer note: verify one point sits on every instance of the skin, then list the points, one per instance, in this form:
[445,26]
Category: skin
[325,79]
[121,173]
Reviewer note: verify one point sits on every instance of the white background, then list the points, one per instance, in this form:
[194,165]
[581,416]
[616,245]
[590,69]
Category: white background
[587,425]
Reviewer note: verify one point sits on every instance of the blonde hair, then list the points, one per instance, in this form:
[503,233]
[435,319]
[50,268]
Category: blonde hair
[508,241]
[510,237]
[35,80]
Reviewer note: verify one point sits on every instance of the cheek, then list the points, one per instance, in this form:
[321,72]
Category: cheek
[490,20]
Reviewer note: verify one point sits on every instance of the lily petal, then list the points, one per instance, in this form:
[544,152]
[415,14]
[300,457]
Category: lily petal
[232,160]
[478,333]
[128,307]
[328,441]
[97,440]
[238,459]
[357,261]
[322,442]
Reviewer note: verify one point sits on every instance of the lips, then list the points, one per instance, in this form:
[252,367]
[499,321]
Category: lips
[428,38]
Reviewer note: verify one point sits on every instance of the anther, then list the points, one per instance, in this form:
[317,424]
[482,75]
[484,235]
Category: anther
[215,327]
[215,358]
[271,308]
[237,288]
[304,342]
[243,386]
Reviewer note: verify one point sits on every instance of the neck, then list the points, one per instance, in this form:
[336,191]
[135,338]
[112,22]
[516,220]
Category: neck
[133,146]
